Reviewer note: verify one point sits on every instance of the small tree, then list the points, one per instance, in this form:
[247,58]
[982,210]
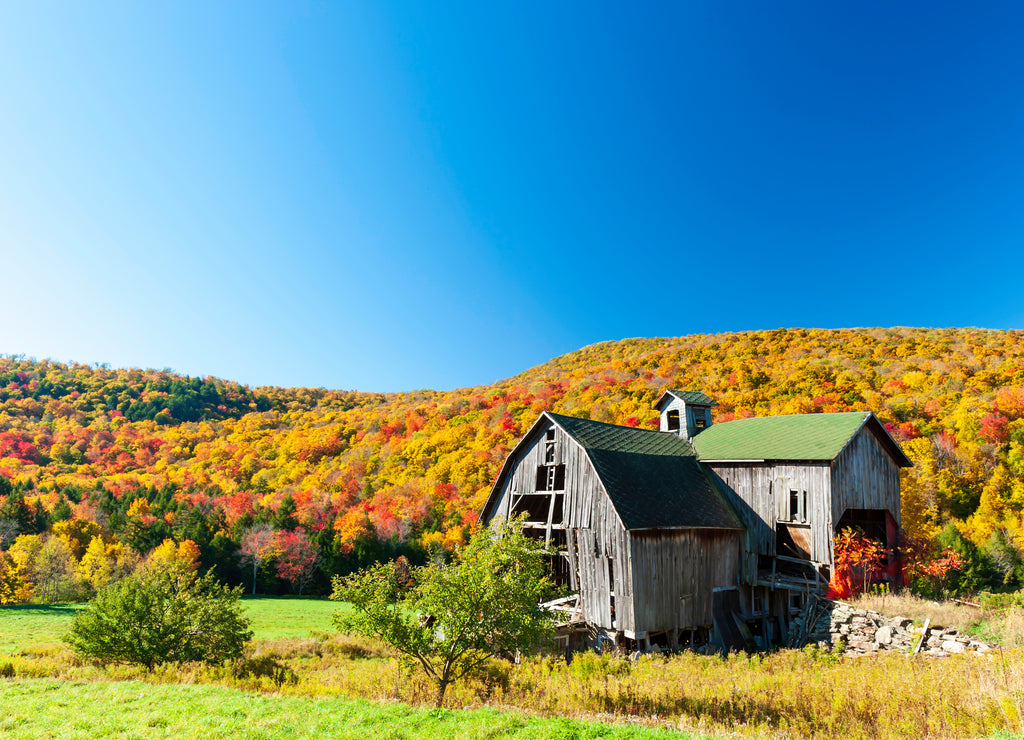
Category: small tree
[297,559]
[258,546]
[14,589]
[161,615]
[856,554]
[454,616]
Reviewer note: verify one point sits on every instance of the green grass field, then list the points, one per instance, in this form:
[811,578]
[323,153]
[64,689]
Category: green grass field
[41,708]
[30,626]
[37,626]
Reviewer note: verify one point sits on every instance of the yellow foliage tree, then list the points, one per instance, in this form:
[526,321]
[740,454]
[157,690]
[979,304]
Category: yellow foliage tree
[14,586]
[77,534]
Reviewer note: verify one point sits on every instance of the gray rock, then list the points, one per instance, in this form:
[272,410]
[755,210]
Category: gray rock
[864,645]
[952,646]
[883,636]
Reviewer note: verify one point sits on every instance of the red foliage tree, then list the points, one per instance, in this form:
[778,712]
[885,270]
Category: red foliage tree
[856,555]
[297,558]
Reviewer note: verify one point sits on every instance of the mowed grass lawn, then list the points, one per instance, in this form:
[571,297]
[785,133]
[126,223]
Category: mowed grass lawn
[38,626]
[48,708]
[43,708]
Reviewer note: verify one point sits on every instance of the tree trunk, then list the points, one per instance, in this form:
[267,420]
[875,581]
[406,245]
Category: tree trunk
[442,686]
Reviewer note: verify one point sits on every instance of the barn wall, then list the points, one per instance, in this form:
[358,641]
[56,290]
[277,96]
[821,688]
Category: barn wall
[594,534]
[604,568]
[864,476]
[675,572]
[748,488]
[760,494]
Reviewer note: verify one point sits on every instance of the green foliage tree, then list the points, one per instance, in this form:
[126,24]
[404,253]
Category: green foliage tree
[978,571]
[163,615]
[448,619]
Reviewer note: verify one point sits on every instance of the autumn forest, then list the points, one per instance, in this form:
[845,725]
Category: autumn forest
[276,489]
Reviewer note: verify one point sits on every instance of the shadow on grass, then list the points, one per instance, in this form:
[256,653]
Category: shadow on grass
[68,609]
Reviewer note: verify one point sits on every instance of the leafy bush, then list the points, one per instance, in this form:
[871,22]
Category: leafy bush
[167,615]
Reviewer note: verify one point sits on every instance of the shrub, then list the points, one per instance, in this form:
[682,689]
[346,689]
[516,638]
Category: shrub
[168,615]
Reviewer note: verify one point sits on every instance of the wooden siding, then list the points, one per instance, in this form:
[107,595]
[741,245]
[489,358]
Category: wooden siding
[688,415]
[605,575]
[594,534]
[760,493]
[864,476]
[675,572]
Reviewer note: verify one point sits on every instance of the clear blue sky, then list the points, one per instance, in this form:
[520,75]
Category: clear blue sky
[387,196]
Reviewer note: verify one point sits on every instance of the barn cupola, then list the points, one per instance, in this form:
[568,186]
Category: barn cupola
[686,413]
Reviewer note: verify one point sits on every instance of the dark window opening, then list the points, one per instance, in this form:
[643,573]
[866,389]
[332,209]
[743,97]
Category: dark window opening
[673,421]
[558,567]
[759,601]
[797,506]
[872,522]
[558,513]
[796,600]
[558,539]
[550,477]
[611,588]
[698,419]
[549,446]
[535,507]
[534,534]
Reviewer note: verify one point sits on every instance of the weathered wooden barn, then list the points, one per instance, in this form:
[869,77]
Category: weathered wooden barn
[698,529]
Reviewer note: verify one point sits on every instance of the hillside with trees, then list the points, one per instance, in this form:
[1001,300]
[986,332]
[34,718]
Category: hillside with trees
[101,468]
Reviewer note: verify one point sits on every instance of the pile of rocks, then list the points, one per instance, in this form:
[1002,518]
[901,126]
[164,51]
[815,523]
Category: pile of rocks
[861,632]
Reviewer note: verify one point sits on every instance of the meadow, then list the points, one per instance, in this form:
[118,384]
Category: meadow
[301,678]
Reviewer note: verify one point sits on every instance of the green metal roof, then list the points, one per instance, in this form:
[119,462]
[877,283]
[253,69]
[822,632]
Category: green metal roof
[793,437]
[696,398]
[653,478]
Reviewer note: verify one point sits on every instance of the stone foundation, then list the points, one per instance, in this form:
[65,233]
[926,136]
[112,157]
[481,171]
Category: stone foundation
[862,632]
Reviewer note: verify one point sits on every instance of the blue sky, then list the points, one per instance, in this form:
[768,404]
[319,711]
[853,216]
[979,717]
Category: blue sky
[388,196]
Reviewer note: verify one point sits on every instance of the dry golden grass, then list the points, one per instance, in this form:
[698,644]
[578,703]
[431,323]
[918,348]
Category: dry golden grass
[998,620]
[792,693]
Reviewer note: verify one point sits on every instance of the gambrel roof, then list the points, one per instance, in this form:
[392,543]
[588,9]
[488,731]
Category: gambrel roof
[652,478]
[658,479]
[793,437]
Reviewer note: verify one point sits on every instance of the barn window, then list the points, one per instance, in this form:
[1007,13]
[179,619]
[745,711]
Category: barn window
[759,601]
[550,477]
[673,421]
[796,600]
[549,446]
[698,418]
[798,506]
